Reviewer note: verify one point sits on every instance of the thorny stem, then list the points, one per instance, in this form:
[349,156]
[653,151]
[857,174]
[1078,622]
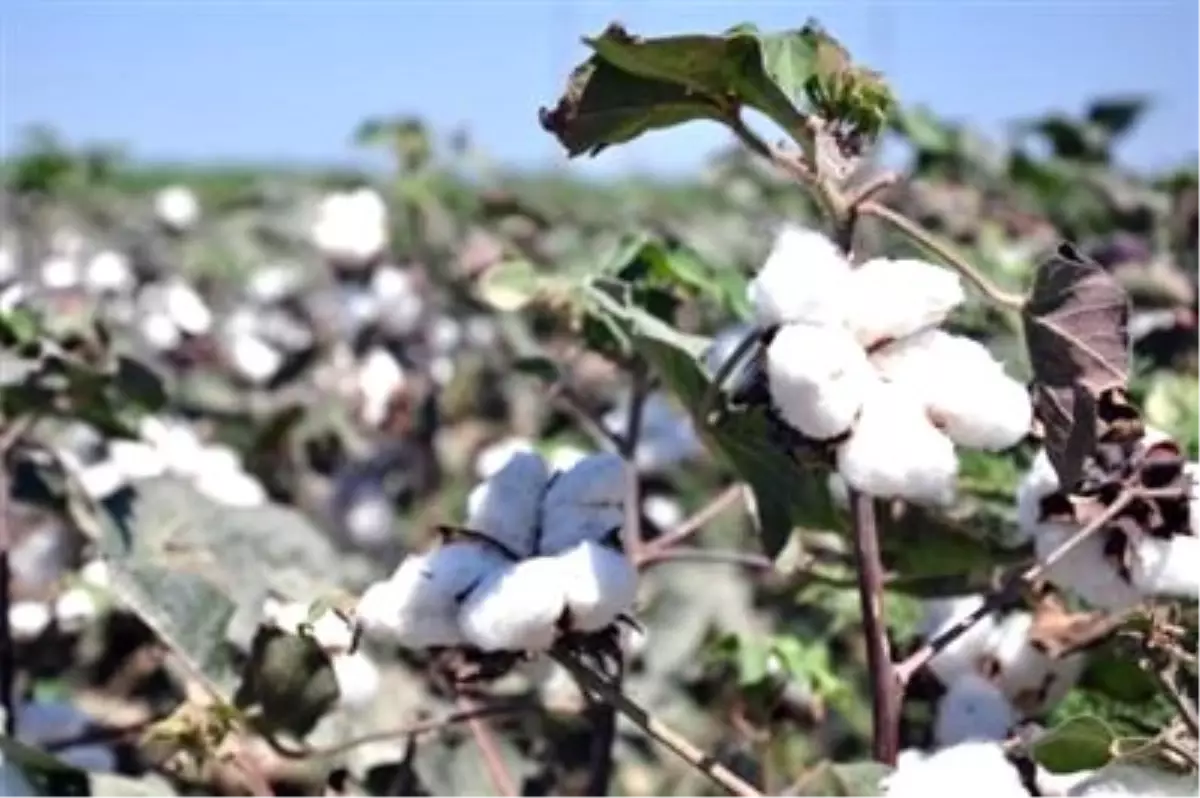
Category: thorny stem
[482,732]
[928,241]
[691,525]
[917,660]
[885,712]
[8,663]
[679,745]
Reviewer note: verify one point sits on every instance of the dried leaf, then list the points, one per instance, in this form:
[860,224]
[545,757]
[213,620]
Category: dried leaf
[1077,331]
[1057,631]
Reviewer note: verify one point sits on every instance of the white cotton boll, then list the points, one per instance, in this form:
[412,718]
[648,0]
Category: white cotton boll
[447,333]
[369,519]
[896,452]
[287,616]
[1036,484]
[585,503]
[108,271]
[101,479]
[895,298]
[28,619]
[273,283]
[418,605]
[160,331]
[351,226]
[379,377]
[1167,567]
[182,449]
[254,359]
[1084,570]
[357,679]
[137,460]
[968,393]
[980,763]
[560,692]
[177,207]
[231,488]
[819,378]
[972,709]
[601,583]
[1192,470]
[496,456]
[1033,681]
[74,608]
[187,308]
[960,658]
[517,608]
[217,457]
[95,573]
[401,303]
[805,279]
[663,511]
[60,272]
[333,631]
[506,506]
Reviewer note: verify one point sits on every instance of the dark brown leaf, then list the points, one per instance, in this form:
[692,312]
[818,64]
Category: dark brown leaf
[1057,631]
[1077,332]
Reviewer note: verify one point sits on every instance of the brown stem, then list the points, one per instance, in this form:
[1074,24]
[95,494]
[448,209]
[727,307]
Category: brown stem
[752,140]
[885,713]
[680,554]
[8,662]
[565,397]
[501,779]
[631,532]
[928,241]
[1186,709]
[679,745]
[872,188]
[693,524]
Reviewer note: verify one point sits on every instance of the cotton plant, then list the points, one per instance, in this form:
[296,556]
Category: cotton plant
[540,563]
[855,358]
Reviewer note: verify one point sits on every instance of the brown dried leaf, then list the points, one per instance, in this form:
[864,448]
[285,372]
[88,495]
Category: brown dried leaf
[1077,331]
[1057,631]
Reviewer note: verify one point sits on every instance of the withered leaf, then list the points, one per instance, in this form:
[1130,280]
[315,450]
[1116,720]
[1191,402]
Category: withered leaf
[1057,631]
[1077,332]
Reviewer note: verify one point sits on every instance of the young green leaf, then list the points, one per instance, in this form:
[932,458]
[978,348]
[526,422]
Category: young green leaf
[1080,743]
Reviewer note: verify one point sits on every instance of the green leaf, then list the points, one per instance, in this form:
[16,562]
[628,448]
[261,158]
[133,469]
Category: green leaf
[1080,743]
[23,766]
[538,366]
[141,385]
[509,286]
[290,679]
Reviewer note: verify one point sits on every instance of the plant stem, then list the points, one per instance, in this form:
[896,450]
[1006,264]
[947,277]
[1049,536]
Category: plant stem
[885,711]
[678,744]
[631,532]
[482,732]
[682,554]
[928,241]
[654,549]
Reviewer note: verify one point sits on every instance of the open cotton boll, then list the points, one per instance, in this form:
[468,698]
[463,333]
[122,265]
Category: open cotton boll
[28,619]
[254,359]
[273,283]
[895,298]
[968,394]
[418,605]
[352,226]
[1167,567]
[663,511]
[159,331]
[493,457]
[177,207]
[818,377]
[1033,681]
[231,488]
[402,306]
[506,506]
[137,460]
[960,657]
[357,679]
[96,574]
[972,709]
[108,272]
[585,503]
[101,479]
[1036,484]
[805,279]
[188,310]
[600,582]
[896,452]
[74,608]
[379,377]
[1084,570]
[980,763]
[516,608]
[667,435]
[60,272]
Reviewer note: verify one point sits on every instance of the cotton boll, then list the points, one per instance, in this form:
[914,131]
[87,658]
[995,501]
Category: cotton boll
[137,460]
[517,608]
[101,479]
[496,456]
[585,503]
[74,609]
[506,506]
[379,377]
[805,279]
[601,583]
[667,435]
[818,377]
[401,302]
[1167,567]
[351,227]
[357,679]
[108,272]
[966,390]
[159,331]
[896,452]
[972,709]
[96,574]
[1084,570]
[10,263]
[333,631]
[418,605]
[28,619]
[369,518]
[951,768]
[1033,681]
[187,309]
[663,511]
[177,207]
[254,359]
[446,335]
[1192,470]
[60,273]
[232,488]
[895,298]
[273,283]
[1038,482]
[960,658]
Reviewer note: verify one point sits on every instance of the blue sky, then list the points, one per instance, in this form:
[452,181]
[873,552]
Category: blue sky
[219,80]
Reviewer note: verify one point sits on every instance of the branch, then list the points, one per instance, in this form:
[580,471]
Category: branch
[631,532]
[689,526]
[565,397]
[497,771]
[679,745]
[684,554]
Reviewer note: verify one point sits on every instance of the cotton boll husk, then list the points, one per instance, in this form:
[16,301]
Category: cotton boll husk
[28,619]
[601,583]
[979,763]
[896,298]
[493,457]
[1038,482]
[896,452]
[805,279]
[506,506]
[187,309]
[74,608]
[967,391]
[819,378]
[357,679]
[177,207]
[108,271]
[1084,570]
[418,606]
[585,503]
[1025,671]
[960,657]
[972,709]
[517,608]
[137,460]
